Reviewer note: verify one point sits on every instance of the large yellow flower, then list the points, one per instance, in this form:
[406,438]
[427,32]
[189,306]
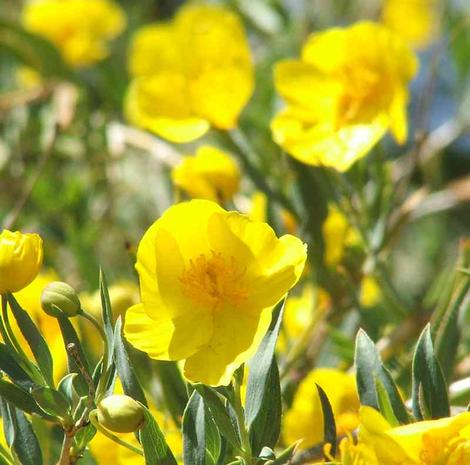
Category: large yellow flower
[189,74]
[209,280]
[211,174]
[305,419]
[435,442]
[80,29]
[416,21]
[20,259]
[347,90]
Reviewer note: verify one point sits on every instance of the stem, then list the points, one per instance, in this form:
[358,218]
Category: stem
[65,451]
[94,421]
[104,371]
[239,412]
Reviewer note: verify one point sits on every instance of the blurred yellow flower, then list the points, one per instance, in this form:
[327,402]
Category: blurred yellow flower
[20,259]
[258,207]
[80,29]
[338,234]
[416,21]
[30,300]
[370,293]
[347,90]
[209,280]
[190,73]
[305,419]
[435,442]
[211,174]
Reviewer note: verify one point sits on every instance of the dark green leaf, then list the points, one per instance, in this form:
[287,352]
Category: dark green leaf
[260,367]
[52,402]
[126,373]
[11,367]
[266,426]
[173,387]
[384,403]
[216,406]
[369,367]
[329,424]
[34,339]
[194,431]
[107,315]
[429,381]
[18,397]
[156,450]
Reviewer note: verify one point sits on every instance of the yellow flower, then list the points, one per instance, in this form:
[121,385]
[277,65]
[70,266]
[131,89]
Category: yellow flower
[347,90]
[80,29]
[30,300]
[416,21]
[370,293]
[305,419]
[189,74]
[435,442]
[337,234]
[211,174]
[20,259]
[209,280]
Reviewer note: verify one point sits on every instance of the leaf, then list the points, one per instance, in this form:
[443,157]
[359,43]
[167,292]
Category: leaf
[266,426]
[107,315]
[173,387]
[369,367]
[25,444]
[194,431]
[34,339]
[125,370]
[260,367]
[33,50]
[429,380]
[329,424]
[18,397]
[66,386]
[11,367]
[384,403]
[219,413]
[156,450]
[52,402]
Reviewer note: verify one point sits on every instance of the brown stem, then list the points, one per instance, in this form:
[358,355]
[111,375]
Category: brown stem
[65,458]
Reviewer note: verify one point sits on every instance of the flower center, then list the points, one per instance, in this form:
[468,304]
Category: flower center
[214,281]
[455,451]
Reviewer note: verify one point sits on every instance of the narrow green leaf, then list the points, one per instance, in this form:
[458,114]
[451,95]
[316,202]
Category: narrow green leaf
[329,424]
[384,403]
[213,440]
[194,431]
[8,423]
[173,387]
[222,419]
[125,370]
[25,444]
[286,455]
[107,315]
[35,340]
[11,367]
[369,367]
[266,426]
[260,366]
[66,386]
[52,402]
[156,450]
[18,397]
[429,379]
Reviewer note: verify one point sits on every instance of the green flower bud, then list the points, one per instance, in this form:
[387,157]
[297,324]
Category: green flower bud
[120,414]
[59,298]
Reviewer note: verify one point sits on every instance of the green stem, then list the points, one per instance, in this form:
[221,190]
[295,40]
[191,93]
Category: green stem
[94,421]
[104,371]
[240,414]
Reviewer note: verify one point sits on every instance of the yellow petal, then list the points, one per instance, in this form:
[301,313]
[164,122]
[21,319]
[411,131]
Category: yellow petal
[165,338]
[235,338]
[161,104]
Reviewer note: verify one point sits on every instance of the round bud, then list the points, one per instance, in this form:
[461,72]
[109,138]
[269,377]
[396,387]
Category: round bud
[59,298]
[120,414]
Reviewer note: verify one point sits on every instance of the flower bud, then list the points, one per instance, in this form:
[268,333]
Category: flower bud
[20,260]
[120,414]
[59,298]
